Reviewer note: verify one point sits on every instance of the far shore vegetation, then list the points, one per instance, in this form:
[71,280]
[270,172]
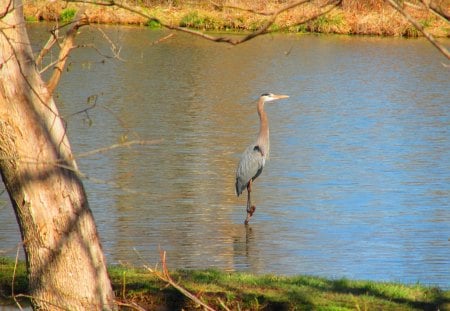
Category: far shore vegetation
[371,17]
[137,288]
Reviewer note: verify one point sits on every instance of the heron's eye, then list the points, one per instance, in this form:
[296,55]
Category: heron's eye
[256,148]
[265,94]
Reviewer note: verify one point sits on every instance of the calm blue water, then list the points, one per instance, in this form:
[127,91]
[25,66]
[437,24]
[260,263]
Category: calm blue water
[358,184]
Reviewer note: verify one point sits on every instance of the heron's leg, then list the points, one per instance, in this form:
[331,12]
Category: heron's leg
[250,208]
[249,190]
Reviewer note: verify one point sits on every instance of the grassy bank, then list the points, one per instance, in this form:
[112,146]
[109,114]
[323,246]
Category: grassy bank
[372,17]
[242,291]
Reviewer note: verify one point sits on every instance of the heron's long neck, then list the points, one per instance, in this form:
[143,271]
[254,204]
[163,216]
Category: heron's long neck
[263,136]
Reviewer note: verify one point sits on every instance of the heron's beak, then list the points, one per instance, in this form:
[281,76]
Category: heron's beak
[280,96]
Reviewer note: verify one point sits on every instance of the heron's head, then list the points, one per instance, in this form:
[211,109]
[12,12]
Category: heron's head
[268,97]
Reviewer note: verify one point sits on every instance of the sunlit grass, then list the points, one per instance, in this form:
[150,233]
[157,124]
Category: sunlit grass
[247,291]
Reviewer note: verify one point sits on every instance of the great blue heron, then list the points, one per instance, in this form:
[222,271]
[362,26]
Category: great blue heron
[254,157]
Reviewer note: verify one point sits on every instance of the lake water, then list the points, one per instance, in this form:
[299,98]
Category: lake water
[358,183]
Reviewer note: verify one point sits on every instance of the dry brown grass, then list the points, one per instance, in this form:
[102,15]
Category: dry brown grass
[370,17]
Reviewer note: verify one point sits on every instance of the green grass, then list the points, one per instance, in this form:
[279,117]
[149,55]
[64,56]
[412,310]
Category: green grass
[67,15]
[153,24]
[31,19]
[329,23]
[244,291]
[198,20]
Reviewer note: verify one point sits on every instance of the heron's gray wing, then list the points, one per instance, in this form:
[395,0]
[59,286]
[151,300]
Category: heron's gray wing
[250,166]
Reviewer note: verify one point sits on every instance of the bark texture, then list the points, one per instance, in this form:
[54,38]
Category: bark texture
[64,257]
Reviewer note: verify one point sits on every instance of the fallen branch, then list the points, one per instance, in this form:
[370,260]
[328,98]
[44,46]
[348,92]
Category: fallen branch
[164,276]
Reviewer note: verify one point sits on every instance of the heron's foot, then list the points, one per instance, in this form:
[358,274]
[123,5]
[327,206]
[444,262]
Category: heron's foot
[250,212]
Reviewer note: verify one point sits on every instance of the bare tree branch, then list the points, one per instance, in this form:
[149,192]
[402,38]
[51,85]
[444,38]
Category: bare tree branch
[437,10]
[68,44]
[218,6]
[419,27]
[51,41]
[163,39]
[114,49]
[229,40]
[431,7]
[7,9]
[329,6]
[270,21]
[120,145]
[54,39]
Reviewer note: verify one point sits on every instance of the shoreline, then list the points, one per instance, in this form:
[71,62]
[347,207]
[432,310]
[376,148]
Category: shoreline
[246,291]
[344,20]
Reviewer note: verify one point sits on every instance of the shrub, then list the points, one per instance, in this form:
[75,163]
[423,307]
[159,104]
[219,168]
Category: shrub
[153,24]
[67,15]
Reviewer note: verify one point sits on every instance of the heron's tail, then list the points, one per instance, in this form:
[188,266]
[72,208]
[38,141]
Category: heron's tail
[239,187]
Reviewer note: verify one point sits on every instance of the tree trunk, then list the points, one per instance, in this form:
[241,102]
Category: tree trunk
[65,262]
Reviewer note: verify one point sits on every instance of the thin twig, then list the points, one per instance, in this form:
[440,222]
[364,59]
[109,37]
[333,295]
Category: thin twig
[163,38]
[57,307]
[62,163]
[222,304]
[51,41]
[120,145]
[48,66]
[14,278]
[114,49]
[222,6]
[270,22]
[419,27]
[130,305]
[329,6]
[430,7]
[165,276]
[437,10]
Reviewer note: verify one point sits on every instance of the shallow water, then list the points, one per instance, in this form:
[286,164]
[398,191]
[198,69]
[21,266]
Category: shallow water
[358,183]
